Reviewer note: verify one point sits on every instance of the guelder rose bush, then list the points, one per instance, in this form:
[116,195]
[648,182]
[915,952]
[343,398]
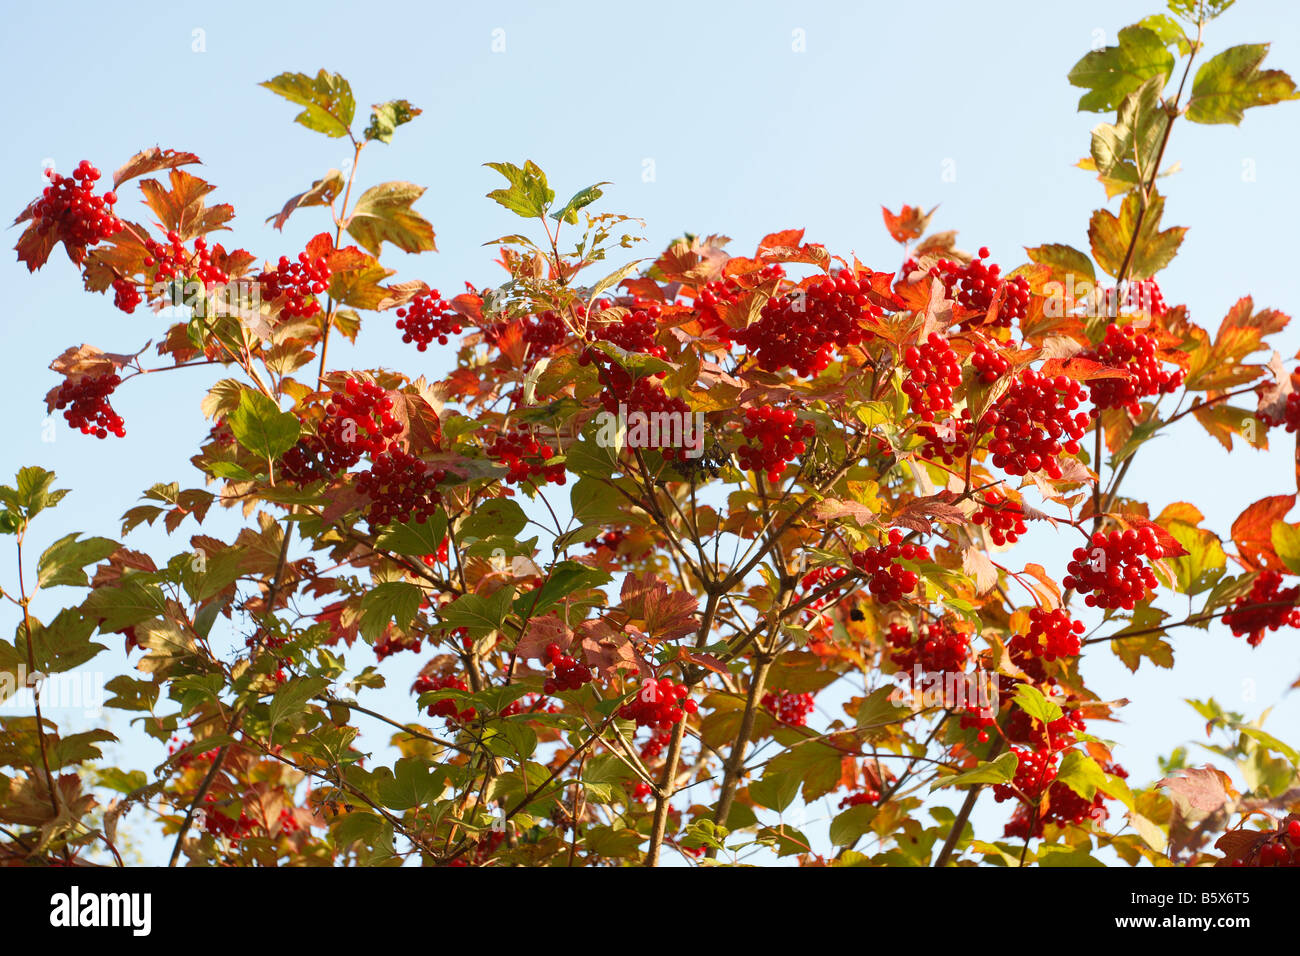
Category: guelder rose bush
[681,546]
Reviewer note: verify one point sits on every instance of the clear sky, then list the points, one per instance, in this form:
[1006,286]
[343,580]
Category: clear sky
[740,118]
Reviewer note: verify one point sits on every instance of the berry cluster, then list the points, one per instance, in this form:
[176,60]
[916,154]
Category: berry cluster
[789,707]
[933,373]
[358,420]
[1144,296]
[173,261]
[70,210]
[220,825]
[1062,807]
[1267,606]
[950,446]
[125,295]
[388,645]
[401,488]
[1051,635]
[448,706]
[936,647]
[1126,348]
[781,438]
[295,284]
[1035,772]
[1111,571]
[526,458]
[719,294]
[859,797]
[1002,517]
[659,704]
[427,317]
[802,330]
[570,674]
[1280,847]
[977,285]
[1290,415]
[654,748]
[1032,424]
[989,363]
[633,332]
[85,404]
[886,579]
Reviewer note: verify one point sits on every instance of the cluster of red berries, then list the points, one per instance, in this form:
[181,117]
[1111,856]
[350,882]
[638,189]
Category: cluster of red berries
[633,332]
[1003,518]
[544,333]
[427,317]
[1290,415]
[717,295]
[220,825]
[439,556]
[401,488]
[1144,295]
[1126,348]
[526,458]
[781,438]
[859,797]
[1280,847]
[388,645]
[69,209]
[174,261]
[529,704]
[1062,807]
[950,446]
[448,706]
[570,674]
[1052,635]
[802,330]
[654,748]
[358,420]
[936,647]
[85,404]
[125,295]
[1035,771]
[886,579]
[989,363]
[933,373]
[1032,424]
[976,286]
[789,707]
[1111,570]
[295,284]
[1268,606]
[659,704]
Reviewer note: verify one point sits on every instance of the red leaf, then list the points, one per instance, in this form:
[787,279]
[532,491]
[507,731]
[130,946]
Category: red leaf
[1252,532]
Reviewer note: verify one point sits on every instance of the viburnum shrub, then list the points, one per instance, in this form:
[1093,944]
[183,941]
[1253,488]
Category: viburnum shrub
[672,545]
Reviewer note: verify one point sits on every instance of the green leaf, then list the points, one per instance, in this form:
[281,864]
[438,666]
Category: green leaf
[1272,743]
[292,697]
[776,791]
[1111,235]
[63,561]
[326,98]
[479,615]
[583,197]
[1081,774]
[565,578]
[1125,153]
[260,426]
[31,492]
[411,783]
[500,517]
[415,538]
[1232,82]
[815,764]
[384,214]
[1032,702]
[1112,73]
[390,601]
[387,117]
[528,194]
[1064,261]
[1286,544]
[847,828]
[879,710]
[1002,770]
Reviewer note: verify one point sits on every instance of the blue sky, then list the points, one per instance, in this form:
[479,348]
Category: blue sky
[753,117]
